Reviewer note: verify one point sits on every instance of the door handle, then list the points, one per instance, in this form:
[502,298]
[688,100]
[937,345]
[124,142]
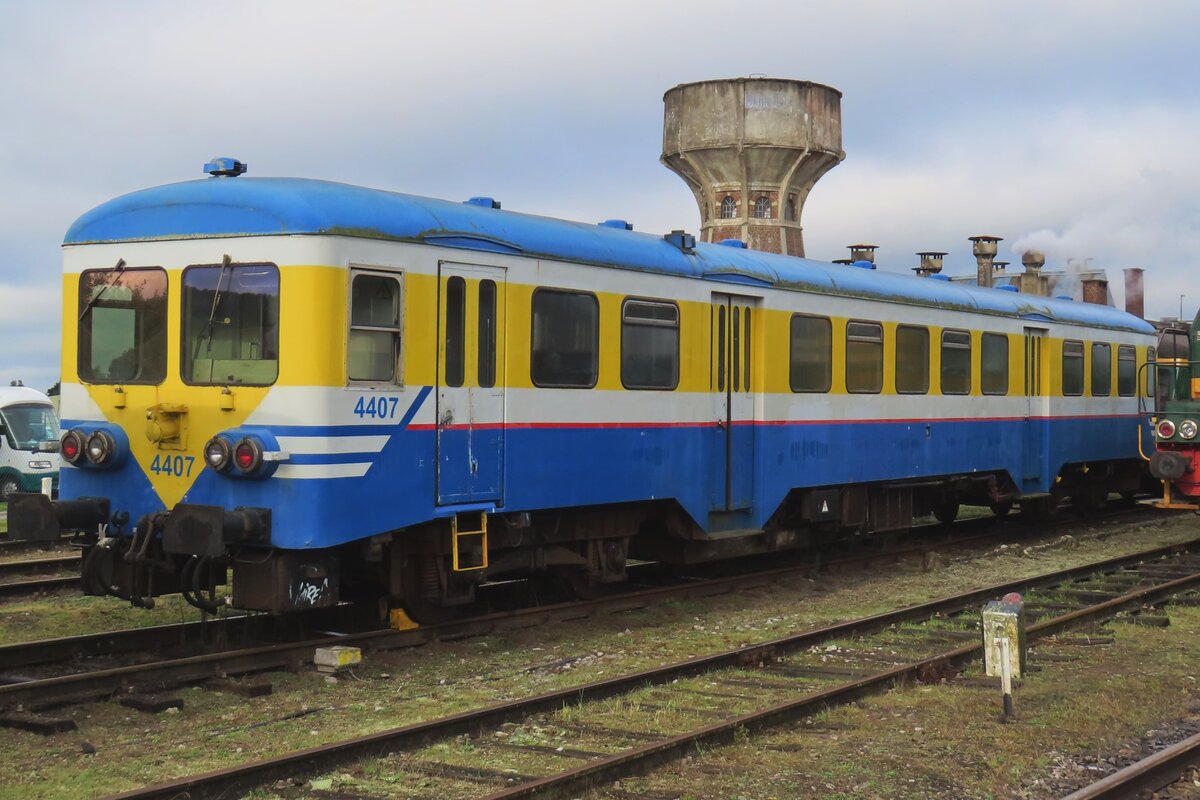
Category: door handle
[721,424]
[447,418]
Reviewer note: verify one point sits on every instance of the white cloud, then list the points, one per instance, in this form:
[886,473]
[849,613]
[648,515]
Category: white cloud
[1063,124]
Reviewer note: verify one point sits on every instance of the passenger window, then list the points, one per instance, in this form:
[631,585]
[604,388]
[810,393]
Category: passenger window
[649,345]
[123,325]
[1072,368]
[812,354]
[487,333]
[1126,370]
[456,330]
[230,324]
[864,357]
[912,360]
[1101,370]
[956,362]
[374,345]
[565,340]
[993,358]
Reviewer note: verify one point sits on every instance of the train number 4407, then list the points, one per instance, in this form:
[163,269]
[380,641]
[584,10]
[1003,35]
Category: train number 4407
[179,466]
[376,407]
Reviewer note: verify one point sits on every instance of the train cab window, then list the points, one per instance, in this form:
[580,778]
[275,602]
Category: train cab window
[649,345]
[230,324]
[812,354]
[1072,368]
[123,325]
[1126,370]
[864,357]
[956,362]
[565,339]
[912,359]
[993,362]
[373,351]
[1101,370]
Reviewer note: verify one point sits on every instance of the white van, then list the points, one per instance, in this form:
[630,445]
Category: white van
[28,440]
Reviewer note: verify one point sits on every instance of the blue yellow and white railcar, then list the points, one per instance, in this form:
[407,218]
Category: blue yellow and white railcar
[345,393]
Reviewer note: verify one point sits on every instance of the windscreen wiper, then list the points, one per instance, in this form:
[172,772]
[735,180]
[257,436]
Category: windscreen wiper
[212,314]
[112,279]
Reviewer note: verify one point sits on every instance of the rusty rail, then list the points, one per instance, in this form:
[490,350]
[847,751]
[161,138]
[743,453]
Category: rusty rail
[1148,775]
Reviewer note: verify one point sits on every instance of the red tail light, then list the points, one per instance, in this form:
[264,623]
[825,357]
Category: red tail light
[72,447]
[1166,429]
[248,455]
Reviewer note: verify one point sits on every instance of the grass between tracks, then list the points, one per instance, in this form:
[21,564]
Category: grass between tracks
[948,741]
[116,748]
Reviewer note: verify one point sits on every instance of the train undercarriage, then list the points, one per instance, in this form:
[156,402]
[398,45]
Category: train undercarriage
[435,569]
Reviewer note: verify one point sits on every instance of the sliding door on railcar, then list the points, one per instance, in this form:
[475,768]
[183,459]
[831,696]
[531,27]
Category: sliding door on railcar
[470,384]
[1037,411]
[734,356]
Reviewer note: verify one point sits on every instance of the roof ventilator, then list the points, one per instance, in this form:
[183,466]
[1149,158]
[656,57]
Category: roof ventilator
[482,202]
[619,224]
[738,243]
[1008,287]
[222,167]
[685,241]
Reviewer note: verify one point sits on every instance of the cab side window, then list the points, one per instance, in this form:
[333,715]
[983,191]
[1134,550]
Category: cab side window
[123,325]
[373,350]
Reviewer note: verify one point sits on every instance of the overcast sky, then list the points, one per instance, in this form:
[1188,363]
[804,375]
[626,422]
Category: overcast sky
[1070,126]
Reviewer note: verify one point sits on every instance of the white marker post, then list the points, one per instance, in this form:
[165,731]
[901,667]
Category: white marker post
[47,486]
[1004,644]
[1006,677]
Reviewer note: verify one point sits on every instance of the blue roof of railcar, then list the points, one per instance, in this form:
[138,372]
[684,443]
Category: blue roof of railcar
[243,206]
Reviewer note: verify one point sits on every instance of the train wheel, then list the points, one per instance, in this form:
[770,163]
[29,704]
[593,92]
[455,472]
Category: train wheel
[1001,509]
[8,486]
[422,596]
[946,512]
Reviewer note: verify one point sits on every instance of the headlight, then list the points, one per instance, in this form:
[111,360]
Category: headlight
[100,447]
[72,447]
[248,455]
[218,454]
[1166,429]
[1187,429]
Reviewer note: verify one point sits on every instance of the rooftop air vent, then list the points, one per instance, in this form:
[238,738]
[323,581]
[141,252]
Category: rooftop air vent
[862,263]
[225,167]
[1008,287]
[1063,297]
[619,224]
[738,243]
[483,202]
[940,277]
[683,240]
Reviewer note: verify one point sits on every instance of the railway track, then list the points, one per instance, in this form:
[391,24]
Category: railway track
[1151,774]
[714,699]
[39,566]
[194,651]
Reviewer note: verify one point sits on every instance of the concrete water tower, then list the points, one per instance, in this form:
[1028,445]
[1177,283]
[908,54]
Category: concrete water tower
[751,150]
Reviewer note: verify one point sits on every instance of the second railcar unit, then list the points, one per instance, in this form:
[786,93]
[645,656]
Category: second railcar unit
[348,393]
